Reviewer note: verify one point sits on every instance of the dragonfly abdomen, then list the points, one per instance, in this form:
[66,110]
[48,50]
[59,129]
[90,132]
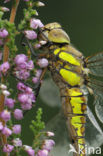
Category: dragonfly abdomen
[75,106]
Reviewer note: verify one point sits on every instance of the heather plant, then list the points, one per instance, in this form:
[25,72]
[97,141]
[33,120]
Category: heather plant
[18,98]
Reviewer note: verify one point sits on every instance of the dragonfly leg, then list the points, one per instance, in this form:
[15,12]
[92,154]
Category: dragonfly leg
[37,56]
[31,48]
[40,82]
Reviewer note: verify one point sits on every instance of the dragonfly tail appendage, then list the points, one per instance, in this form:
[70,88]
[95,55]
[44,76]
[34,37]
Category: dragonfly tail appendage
[74,106]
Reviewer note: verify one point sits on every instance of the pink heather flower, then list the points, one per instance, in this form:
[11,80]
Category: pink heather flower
[29,90]
[35,80]
[26,106]
[18,114]
[21,58]
[3,33]
[26,98]
[24,89]
[30,65]
[17,142]
[48,144]
[35,23]
[1,126]
[30,34]
[42,153]
[17,129]
[32,97]
[4,67]
[38,73]
[42,62]
[9,102]
[6,131]
[22,70]
[50,134]
[21,86]
[29,150]
[5,115]
[23,98]
[23,74]
[23,65]
[8,148]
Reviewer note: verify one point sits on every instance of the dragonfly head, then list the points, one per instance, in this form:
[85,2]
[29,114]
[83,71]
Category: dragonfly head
[53,33]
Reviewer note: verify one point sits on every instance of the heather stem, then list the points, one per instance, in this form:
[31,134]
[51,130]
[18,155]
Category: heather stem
[12,19]
[5,58]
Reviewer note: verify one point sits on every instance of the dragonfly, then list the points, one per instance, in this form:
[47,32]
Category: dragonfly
[76,77]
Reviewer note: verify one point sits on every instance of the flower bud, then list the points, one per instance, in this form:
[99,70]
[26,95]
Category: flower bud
[50,134]
[5,115]
[8,148]
[18,114]
[6,93]
[3,33]
[43,42]
[29,150]
[35,23]
[2,86]
[42,62]
[6,131]
[30,34]
[17,129]
[17,142]
[42,153]
[5,9]
[40,4]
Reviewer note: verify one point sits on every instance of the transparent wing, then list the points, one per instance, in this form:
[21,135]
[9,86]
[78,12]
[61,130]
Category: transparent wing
[95,64]
[93,120]
[57,124]
[49,93]
[97,87]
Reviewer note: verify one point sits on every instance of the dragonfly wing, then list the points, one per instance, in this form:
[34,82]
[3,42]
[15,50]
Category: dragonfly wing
[95,64]
[93,120]
[49,93]
[96,70]
[93,134]
[97,87]
[99,112]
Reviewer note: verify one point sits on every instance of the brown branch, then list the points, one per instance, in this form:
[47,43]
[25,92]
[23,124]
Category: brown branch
[12,19]
[5,58]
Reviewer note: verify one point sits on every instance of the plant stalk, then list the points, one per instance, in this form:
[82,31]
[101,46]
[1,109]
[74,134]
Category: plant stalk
[5,58]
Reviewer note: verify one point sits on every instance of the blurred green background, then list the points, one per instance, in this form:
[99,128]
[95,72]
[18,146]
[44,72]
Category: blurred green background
[83,21]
